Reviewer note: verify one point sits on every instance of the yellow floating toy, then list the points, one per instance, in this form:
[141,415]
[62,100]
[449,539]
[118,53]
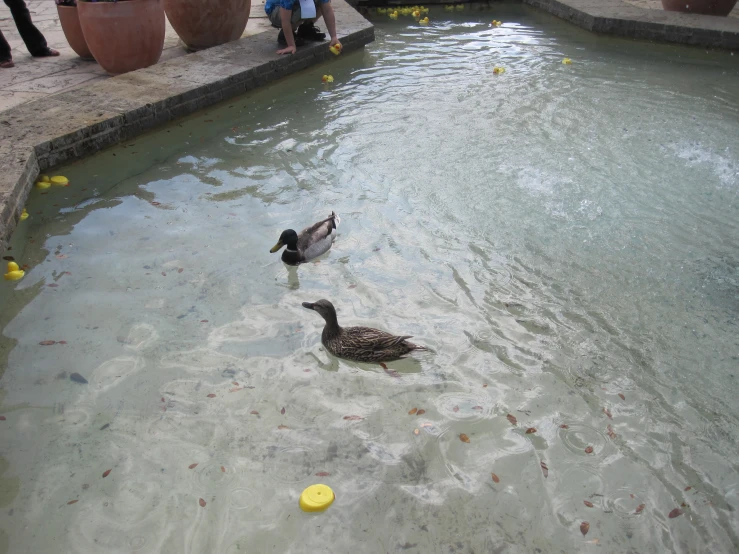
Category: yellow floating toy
[393,15]
[316,498]
[59,181]
[14,272]
[567,61]
[459,7]
[327,78]
[44,178]
[381,10]
[424,21]
[497,23]
[24,215]
[335,49]
[423,9]
[417,14]
[448,8]
[498,70]
[43,185]
[405,11]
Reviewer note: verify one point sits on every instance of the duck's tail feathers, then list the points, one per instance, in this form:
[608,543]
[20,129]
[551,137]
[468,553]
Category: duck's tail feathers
[336,219]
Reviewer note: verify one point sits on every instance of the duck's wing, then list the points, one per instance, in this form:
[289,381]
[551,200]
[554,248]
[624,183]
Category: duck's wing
[372,338]
[318,238]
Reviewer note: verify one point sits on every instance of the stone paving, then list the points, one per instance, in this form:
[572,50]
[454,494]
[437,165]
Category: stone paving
[657,5]
[34,78]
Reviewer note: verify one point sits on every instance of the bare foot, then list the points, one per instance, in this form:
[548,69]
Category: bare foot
[7,64]
[46,53]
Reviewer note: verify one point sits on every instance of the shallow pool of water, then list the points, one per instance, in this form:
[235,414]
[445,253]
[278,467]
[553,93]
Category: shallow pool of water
[564,238]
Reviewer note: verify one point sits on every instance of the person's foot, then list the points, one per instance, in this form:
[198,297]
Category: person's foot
[282,41]
[46,53]
[308,31]
[7,64]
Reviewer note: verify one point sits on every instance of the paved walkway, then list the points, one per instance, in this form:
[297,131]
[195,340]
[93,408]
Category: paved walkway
[34,78]
[657,5]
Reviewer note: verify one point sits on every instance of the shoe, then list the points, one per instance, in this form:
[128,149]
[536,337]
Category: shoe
[308,31]
[46,53]
[282,41]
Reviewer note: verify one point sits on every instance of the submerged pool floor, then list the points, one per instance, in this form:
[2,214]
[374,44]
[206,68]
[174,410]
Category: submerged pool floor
[563,237]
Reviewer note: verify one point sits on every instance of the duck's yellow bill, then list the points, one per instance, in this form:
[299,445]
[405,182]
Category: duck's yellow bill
[276,247]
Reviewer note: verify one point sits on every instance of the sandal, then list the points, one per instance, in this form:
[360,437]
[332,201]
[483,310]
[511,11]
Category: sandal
[308,31]
[282,41]
[7,64]
[46,53]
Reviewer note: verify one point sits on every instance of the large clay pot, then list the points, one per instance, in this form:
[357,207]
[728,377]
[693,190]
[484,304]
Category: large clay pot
[205,23]
[70,22]
[124,35]
[706,7]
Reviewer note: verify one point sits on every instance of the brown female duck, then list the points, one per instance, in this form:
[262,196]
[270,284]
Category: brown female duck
[360,344]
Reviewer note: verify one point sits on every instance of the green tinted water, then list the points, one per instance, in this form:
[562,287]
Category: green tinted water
[558,235]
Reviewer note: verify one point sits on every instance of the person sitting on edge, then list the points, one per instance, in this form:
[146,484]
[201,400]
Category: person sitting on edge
[35,41]
[284,14]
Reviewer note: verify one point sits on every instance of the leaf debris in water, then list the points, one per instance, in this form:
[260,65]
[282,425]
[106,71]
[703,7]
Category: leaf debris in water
[544,469]
[280,427]
[282,411]
[621,396]
[512,419]
[675,513]
[104,427]
[416,431]
[564,426]
[412,411]
[106,473]
[211,395]
[353,417]
[608,413]
[589,450]
[455,409]
[639,508]
[72,502]
[47,342]
[202,503]
[588,503]
[686,489]
[530,430]
[254,412]
[584,528]
[192,466]
[223,469]
[464,438]
[421,412]
[496,479]
[322,474]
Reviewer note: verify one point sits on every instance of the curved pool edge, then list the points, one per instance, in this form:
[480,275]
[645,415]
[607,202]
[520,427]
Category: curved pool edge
[72,125]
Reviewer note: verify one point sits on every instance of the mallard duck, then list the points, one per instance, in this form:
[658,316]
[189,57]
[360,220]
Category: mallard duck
[310,243]
[360,344]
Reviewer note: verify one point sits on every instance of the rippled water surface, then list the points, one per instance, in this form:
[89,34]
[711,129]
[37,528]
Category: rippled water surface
[564,238]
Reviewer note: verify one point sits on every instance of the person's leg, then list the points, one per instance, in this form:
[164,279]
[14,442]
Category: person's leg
[35,41]
[308,30]
[276,20]
[6,60]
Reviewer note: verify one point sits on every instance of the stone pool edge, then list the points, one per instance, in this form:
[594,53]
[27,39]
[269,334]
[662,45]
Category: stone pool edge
[72,125]
[616,17]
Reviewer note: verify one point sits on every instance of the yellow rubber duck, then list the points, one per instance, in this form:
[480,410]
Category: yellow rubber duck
[497,23]
[405,11]
[424,21]
[567,61]
[448,8]
[327,78]
[423,9]
[393,15]
[44,178]
[335,49]
[459,7]
[43,185]
[14,272]
[381,10]
[417,14]
[59,181]
[24,215]
[498,70]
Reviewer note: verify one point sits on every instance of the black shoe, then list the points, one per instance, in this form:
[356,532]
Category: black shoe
[308,31]
[282,41]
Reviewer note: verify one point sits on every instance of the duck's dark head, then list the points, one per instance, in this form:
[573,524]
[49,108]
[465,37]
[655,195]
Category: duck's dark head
[324,308]
[288,238]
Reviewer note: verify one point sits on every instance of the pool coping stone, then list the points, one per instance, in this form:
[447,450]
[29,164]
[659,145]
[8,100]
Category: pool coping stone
[71,125]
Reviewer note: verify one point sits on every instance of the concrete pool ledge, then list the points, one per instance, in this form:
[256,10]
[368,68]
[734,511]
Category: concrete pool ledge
[71,125]
[617,17]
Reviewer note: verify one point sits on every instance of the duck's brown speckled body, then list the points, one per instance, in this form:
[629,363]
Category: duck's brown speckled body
[360,344]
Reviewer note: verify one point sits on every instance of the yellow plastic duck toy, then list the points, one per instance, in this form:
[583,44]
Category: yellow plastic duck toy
[405,11]
[393,15]
[417,14]
[43,185]
[498,70]
[14,272]
[327,78]
[24,215]
[381,10]
[59,181]
[448,8]
[567,61]
[335,49]
[459,7]
[423,9]
[424,21]
[497,23]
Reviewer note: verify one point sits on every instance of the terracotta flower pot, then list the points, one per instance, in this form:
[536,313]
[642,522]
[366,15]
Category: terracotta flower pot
[125,35]
[705,7]
[70,22]
[205,23]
